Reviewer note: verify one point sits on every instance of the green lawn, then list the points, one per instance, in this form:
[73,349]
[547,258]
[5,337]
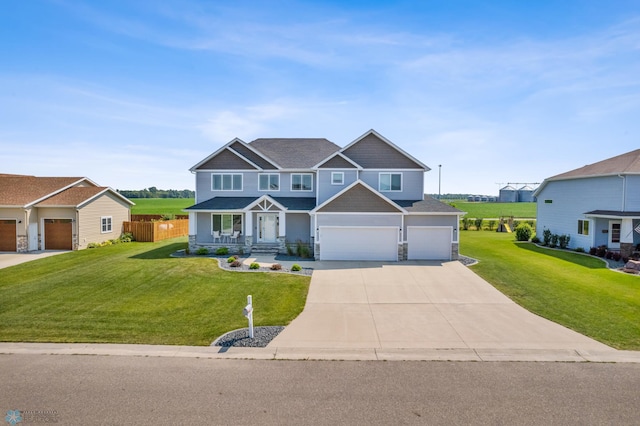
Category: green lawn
[495,210]
[574,290]
[161,205]
[136,293]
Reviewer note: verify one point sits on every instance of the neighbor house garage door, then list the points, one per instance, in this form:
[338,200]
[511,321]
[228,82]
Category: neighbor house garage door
[58,234]
[429,242]
[8,235]
[358,243]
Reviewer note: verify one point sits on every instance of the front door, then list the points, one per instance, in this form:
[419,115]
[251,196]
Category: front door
[614,234]
[267,227]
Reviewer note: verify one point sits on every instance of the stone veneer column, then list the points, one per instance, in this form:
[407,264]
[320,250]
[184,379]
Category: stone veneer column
[22,244]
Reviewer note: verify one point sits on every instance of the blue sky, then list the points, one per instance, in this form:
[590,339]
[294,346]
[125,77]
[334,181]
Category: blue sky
[133,93]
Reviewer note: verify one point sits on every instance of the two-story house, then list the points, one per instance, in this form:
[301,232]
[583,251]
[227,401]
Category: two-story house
[362,202]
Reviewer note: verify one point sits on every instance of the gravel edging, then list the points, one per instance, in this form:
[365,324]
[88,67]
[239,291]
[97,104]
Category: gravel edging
[262,336]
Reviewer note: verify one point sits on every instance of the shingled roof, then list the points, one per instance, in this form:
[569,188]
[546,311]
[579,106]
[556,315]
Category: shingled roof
[73,197]
[628,163]
[19,190]
[295,153]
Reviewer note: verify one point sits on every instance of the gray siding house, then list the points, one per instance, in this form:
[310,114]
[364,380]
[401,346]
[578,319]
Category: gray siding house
[598,204]
[362,202]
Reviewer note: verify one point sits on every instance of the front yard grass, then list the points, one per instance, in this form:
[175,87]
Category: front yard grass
[136,293]
[574,290]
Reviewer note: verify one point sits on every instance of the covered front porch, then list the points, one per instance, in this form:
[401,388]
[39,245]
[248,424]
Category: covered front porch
[618,230]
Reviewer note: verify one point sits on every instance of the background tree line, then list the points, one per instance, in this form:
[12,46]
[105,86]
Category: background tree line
[154,192]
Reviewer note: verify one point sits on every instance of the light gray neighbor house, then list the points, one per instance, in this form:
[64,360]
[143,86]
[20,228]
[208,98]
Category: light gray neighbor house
[362,202]
[598,204]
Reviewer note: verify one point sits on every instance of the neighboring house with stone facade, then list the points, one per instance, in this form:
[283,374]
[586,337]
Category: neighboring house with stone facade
[362,202]
[598,204]
[58,213]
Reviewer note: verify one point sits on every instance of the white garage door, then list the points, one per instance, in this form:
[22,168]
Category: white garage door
[429,242]
[358,243]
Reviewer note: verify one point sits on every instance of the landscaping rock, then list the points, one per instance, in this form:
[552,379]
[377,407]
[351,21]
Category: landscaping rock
[262,336]
[632,267]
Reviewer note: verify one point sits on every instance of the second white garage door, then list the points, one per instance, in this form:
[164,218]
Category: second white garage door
[429,242]
[358,243]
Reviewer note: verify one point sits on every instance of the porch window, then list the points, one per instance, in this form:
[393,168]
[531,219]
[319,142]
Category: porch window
[583,227]
[106,224]
[615,232]
[337,178]
[301,182]
[390,182]
[226,223]
[226,182]
[269,182]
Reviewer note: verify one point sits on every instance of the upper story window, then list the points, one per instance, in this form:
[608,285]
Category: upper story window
[301,182]
[337,178]
[269,182]
[390,182]
[226,181]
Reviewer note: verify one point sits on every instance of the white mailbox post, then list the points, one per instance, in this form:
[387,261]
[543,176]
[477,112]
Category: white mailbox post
[248,312]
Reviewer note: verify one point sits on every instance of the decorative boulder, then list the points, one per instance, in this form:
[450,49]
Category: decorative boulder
[632,266]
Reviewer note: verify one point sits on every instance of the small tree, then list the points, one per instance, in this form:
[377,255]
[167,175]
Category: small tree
[546,237]
[523,232]
[465,224]
[492,223]
[478,223]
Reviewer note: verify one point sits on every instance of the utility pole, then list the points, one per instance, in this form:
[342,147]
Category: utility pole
[439,179]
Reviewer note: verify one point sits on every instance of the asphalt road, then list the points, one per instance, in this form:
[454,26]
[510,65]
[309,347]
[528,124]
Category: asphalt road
[88,390]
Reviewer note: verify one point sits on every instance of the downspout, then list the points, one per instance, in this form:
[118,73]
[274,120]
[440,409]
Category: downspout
[624,191]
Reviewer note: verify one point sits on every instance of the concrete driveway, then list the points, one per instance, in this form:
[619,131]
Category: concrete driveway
[10,259]
[434,305]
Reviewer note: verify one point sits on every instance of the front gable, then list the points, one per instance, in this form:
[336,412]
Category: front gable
[337,161]
[227,160]
[373,151]
[359,198]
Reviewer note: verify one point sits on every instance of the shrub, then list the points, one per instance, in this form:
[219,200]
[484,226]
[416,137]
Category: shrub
[127,237]
[617,256]
[222,251]
[202,251]
[478,223]
[93,245]
[168,216]
[235,264]
[579,250]
[115,241]
[492,223]
[554,241]
[290,251]
[593,251]
[232,259]
[254,265]
[601,251]
[563,241]
[276,267]
[546,237]
[465,224]
[523,232]
[608,255]
[296,268]
[106,243]
[535,240]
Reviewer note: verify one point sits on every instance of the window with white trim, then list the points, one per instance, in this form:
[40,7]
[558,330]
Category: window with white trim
[301,182]
[106,224]
[583,227]
[390,182]
[226,181]
[269,182]
[337,178]
[226,223]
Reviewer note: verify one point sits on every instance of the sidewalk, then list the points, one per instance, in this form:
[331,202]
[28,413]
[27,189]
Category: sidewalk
[269,353]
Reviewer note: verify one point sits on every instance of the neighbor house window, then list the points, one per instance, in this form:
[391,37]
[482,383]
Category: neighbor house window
[226,182]
[226,223]
[390,182]
[337,178]
[583,227]
[301,182]
[106,224]
[269,182]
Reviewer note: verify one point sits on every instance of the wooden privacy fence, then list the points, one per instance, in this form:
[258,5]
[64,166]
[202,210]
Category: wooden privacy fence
[147,232]
[152,217]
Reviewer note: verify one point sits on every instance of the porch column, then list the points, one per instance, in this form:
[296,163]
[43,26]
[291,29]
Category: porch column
[626,237]
[282,227]
[248,223]
[192,223]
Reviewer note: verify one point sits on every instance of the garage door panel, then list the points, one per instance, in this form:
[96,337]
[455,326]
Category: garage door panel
[58,234]
[359,243]
[8,232]
[429,243]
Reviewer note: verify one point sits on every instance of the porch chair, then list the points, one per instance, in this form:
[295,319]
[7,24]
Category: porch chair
[233,238]
[217,236]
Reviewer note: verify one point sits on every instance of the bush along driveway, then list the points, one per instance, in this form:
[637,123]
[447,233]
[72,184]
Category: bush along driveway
[137,293]
[572,289]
